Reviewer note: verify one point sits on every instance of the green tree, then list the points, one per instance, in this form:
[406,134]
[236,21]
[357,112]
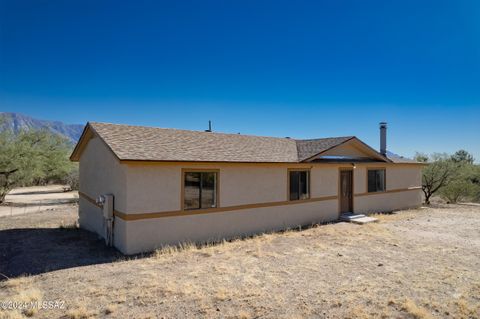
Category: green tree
[461,186]
[421,157]
[437,174]
[33,157]
[463,157]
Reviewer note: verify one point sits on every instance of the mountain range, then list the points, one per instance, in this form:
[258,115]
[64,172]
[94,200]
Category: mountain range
[16,122]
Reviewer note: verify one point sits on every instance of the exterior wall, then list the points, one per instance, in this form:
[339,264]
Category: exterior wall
[149,234]
[145,189]
[100,173]
[398,177]
[387,202]
[156,187]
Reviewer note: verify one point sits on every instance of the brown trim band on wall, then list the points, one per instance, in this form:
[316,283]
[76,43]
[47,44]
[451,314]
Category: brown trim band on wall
[178,213]
[89,199]
[390,191]
[218,209]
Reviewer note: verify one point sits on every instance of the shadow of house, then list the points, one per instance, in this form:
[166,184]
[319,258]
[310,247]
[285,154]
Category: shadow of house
[31,251]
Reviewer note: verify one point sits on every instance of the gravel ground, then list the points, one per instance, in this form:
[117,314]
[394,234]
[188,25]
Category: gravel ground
[414,264]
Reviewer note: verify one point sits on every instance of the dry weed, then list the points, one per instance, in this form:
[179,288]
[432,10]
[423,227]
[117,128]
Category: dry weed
[414,310]
[242,314]
[10,315]
[79,312]
[64,225]
[465,310]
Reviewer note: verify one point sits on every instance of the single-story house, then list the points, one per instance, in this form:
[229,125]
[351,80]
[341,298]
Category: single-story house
[166,186]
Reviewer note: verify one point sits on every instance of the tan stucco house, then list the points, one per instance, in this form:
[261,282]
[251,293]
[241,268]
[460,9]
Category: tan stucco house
[166,186]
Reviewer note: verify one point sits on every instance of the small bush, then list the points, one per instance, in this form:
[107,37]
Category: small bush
[72,179]
[457,191]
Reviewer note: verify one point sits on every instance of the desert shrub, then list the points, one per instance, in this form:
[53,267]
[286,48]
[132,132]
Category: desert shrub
[463,185]
[458,190]
[72,179]
[454,177]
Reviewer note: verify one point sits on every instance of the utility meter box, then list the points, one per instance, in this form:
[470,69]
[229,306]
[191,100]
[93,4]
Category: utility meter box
[108,206]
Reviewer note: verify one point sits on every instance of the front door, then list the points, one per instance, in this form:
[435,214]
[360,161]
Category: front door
[346,191]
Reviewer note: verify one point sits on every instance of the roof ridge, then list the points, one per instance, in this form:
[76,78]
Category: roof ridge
[324,138]
[218,133]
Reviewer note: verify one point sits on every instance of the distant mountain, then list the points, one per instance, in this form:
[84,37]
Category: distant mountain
[16,122]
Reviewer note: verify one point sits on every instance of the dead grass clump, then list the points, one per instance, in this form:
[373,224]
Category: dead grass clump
[414,310]
[173,249]
[242,314]
[358,312]
[10,315]
[30,312]
[21,293]
[110,309]
[465,310]
[64,225]
[15,283]
[79,313]
[221,295]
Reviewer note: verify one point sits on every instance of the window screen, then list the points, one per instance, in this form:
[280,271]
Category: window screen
[200,190]
[299,185]
[376,180]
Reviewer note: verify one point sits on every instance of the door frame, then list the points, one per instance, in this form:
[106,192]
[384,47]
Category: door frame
[340,169]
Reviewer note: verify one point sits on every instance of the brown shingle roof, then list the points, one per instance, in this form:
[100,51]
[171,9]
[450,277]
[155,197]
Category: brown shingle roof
[140,143]
[158,144]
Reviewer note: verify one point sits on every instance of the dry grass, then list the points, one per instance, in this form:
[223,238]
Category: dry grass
[80,312]
[71,225]
[414,310]
[414,264]
[22,291]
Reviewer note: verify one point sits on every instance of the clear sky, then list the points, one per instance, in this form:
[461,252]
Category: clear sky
[302,69]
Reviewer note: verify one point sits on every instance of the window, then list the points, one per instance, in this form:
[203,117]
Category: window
[200,190]
[299,187]
[376,180]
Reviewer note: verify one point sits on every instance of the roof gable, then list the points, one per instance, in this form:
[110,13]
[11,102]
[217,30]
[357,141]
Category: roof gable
[349,148]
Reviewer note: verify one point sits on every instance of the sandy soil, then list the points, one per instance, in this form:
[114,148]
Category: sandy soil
[35,199]
[415,264]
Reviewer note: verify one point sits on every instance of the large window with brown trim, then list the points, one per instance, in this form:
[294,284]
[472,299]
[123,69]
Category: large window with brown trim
[200,190]
[376,180]
[299,184]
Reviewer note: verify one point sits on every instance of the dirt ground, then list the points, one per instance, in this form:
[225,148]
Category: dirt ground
[35,199]
[415,264]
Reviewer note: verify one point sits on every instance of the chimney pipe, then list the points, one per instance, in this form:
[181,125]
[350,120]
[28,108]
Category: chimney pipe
[383,138]
[209,126]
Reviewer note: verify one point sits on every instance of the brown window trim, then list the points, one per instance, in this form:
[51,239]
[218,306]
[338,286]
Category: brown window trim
[182,191]
[308,187]
[384,178]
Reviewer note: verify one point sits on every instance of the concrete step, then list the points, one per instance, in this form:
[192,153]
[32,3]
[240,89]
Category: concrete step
[357,218]
[364,220]
[350,216]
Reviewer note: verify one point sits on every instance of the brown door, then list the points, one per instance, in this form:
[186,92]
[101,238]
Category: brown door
[346,191]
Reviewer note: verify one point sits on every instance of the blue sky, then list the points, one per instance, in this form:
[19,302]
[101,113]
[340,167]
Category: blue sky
[279,68]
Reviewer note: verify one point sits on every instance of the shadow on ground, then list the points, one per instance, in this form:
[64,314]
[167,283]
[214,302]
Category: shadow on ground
[38,250]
